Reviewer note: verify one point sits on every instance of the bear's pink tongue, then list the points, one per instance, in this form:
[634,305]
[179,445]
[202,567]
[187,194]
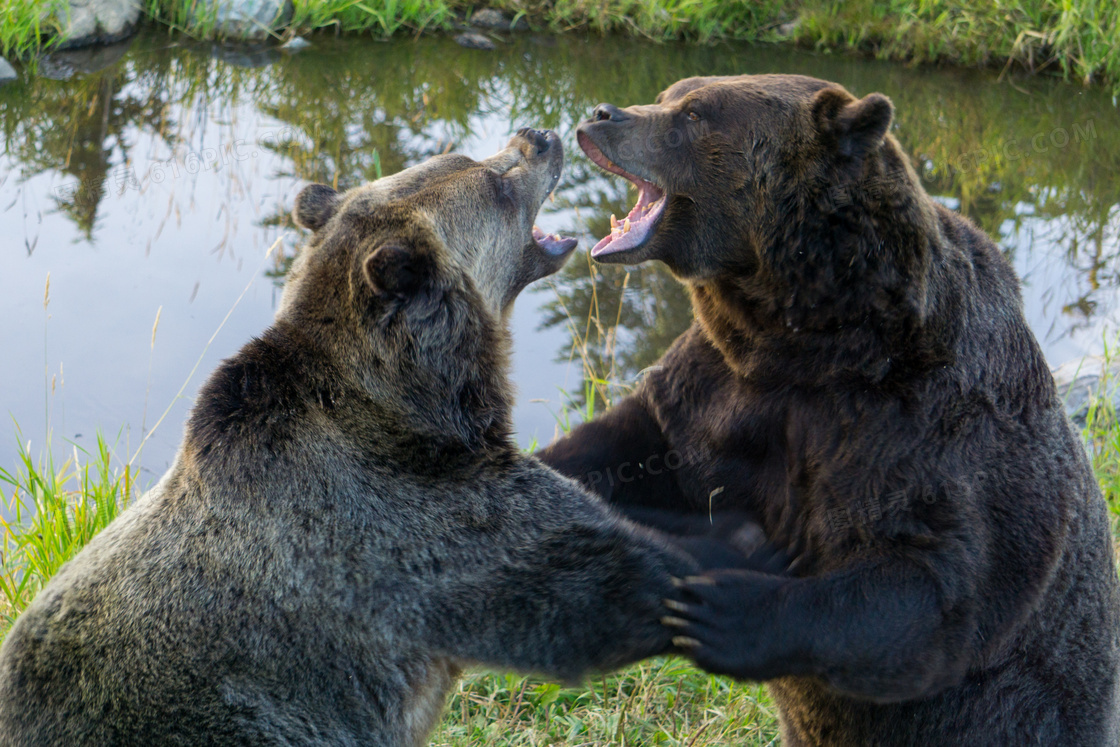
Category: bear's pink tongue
[635,228]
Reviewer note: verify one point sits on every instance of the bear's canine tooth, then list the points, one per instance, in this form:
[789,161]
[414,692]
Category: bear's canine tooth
[614,221]
[626,226]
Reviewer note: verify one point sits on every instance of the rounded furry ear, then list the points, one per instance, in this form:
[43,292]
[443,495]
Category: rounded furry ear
[315,204]
[856,126]
[391,269]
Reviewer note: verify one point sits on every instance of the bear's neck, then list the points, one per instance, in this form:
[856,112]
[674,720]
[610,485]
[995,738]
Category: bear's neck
[858,300]
[452,407]
[441,412]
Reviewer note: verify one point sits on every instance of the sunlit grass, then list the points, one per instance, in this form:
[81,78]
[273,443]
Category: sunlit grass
[658,702]
[1102,432]
[26,26]
[53,512]
[1079,39]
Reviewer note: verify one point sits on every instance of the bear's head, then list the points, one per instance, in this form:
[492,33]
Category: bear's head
[405,283]
[782,200]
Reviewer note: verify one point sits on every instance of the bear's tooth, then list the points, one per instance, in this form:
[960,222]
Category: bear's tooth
[626,226]
[614,221]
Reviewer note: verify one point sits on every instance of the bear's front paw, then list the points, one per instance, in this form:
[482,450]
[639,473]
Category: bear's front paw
[723,621]
[725,539]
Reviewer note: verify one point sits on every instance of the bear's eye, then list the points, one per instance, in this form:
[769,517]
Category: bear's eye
[693,117]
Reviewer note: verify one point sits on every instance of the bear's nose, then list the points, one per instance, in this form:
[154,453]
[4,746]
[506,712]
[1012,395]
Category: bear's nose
[538,138]
[604,112]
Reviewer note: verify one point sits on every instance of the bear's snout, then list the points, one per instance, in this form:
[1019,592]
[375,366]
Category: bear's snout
[542,140]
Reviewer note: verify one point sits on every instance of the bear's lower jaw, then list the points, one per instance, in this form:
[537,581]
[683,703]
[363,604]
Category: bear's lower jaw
[553,243]
[636,228]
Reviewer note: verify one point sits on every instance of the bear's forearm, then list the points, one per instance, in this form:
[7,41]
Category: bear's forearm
[621,456]
[580,601]
[878,632]
[882,632]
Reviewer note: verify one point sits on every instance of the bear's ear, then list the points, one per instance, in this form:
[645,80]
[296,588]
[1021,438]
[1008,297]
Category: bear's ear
[855,126]
[315,204]
[391,269]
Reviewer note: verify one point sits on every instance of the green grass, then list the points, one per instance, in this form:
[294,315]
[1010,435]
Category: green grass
[1079,39]
[1102,431]
[658,702]
[25,28]
[54,513]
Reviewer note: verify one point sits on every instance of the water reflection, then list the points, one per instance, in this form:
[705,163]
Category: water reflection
[179,162]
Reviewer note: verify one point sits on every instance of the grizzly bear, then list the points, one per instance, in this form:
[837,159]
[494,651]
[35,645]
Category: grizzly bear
[348,521]
[860,377]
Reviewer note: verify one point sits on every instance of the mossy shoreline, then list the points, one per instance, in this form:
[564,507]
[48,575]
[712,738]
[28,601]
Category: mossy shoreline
[1078,40]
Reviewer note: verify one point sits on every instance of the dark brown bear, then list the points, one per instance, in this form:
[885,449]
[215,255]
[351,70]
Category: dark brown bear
[860,376]
[348,522]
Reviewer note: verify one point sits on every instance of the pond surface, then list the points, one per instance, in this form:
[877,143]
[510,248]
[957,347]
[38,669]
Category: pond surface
[152,181]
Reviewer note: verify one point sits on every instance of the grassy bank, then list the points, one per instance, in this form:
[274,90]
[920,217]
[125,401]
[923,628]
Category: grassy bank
[1078,39]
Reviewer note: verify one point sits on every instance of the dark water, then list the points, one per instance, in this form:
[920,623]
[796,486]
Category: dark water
[158,183]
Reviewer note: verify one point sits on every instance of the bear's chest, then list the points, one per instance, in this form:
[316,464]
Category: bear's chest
[780,458]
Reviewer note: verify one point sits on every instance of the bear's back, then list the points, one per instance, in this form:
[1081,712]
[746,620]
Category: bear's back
[213,609]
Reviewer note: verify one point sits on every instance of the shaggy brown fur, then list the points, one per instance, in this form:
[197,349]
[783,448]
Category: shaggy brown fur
[348,522]
[862,379]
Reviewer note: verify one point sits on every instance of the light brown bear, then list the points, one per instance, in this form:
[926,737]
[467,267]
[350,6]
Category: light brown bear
[348,522]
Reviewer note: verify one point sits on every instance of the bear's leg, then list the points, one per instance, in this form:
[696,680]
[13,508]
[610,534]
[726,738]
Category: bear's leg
[564,588]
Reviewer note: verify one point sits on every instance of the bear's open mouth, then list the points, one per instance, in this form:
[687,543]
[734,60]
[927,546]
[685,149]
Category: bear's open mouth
[553,243]
[636,227]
